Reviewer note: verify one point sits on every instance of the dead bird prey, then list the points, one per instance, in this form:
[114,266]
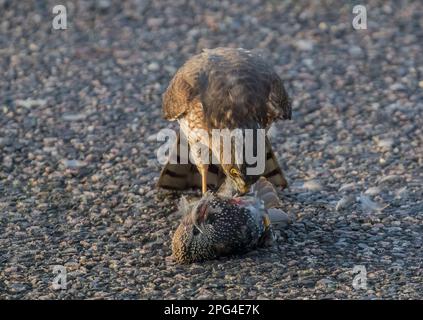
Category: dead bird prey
[218,225]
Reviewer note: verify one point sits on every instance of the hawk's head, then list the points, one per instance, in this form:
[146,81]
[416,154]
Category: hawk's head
[239,178]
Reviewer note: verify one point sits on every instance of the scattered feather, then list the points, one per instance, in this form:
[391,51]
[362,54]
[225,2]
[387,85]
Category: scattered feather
[385,143]
[184,206]
[279,218]
[393,178]
[273,132]
[152,138]
[30,103]
[373,191]
[347,187]
[368,205]
[401,193]
[74,116]
[312,185]
[304,45]
[73,163]
[344,202]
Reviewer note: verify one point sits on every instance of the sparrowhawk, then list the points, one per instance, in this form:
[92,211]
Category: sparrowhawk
[223,88]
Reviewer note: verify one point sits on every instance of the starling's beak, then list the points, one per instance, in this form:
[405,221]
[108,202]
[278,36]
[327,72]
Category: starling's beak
[200,211]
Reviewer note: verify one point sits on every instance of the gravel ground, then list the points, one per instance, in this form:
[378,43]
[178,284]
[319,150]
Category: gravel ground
[79,113]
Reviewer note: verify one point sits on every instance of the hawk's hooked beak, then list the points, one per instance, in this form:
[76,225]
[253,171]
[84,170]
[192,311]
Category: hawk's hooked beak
[240,184]
[238,180]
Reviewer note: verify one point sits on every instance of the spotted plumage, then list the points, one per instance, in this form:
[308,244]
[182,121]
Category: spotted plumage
[217,225]
[223,88]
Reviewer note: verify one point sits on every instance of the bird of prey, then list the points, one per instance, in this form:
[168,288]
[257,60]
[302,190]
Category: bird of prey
[223,88]
[217,225]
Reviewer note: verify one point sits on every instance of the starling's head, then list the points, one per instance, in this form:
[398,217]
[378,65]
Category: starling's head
[195,238]
[195,214]
[198,215]
[213,226]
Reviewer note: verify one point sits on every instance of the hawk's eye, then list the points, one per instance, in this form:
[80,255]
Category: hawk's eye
[234,172]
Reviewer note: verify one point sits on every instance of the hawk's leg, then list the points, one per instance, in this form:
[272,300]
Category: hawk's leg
[203,168]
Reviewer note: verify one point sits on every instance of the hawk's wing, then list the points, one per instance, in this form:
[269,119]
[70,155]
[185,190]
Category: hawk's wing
[184,176]
[236,88]
[182,89]
[279,104]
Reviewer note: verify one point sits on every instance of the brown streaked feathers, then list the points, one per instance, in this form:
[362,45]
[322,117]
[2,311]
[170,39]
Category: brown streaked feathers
[224,88]
[228,80]
[186,176]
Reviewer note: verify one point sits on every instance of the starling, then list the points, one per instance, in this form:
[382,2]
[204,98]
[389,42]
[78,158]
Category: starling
[218,225]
